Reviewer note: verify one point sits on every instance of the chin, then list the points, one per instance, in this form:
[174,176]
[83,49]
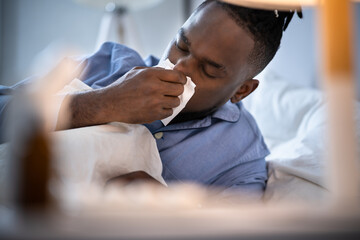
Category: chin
[187,115]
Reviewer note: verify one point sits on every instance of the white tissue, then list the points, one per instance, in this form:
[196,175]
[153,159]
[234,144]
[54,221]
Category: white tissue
[189,90]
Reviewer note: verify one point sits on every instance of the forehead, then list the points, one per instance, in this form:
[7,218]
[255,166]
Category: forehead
[213,33]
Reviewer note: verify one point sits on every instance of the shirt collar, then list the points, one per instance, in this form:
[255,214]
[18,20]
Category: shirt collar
[229,112]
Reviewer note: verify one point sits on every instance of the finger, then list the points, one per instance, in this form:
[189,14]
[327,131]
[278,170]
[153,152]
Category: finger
[167,112]
[138,68]
[172,89]
[170,102]
[171,76]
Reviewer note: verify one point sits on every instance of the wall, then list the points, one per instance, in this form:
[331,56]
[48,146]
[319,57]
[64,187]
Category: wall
[30,26]
[27,27]
[298,59]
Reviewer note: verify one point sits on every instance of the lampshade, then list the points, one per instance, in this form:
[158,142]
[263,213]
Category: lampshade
[277,4]
[273,4]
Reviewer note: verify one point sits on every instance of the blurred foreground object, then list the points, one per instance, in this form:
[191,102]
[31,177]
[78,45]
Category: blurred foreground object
[30,120]
[337,19]
[30,158]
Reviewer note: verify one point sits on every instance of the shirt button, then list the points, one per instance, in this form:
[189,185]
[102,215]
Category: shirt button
[159,135]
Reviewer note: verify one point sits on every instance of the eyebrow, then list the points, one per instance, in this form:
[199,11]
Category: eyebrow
[183,37]
[204,59]
[214,64]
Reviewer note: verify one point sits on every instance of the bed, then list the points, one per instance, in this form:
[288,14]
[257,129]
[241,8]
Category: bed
[293,122]
[291,118]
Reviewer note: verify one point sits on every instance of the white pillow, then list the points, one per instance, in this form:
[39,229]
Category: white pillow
[283,110]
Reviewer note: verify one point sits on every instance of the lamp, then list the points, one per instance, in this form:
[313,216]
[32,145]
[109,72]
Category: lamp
[273,4]
[338,77]
[117,25]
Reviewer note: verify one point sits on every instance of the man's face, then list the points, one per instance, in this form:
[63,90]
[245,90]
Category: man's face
[213,50]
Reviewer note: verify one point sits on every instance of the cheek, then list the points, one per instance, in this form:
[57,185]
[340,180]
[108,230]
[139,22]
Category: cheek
[170,53]
[207,95]
[211,94]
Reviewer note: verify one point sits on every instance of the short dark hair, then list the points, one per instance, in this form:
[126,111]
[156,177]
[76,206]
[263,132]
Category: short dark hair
[265,26]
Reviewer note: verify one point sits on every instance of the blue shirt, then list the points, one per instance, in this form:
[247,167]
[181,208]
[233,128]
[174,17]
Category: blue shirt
[224,149]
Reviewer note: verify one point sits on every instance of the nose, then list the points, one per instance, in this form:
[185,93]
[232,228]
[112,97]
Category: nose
[184,65]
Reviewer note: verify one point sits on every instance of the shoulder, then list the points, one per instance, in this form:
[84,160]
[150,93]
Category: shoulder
[241,132]
[115,50]
[108,64]
[236,116]
[246,118]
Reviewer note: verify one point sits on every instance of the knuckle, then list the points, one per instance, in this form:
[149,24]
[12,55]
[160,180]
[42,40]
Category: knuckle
[182,78]
[176,102]
[175,89]
[145,73]
[137,68]
[158,103]
[180,89]
[167,112]
[152,90]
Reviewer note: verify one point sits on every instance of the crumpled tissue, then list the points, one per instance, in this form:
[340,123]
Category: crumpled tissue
[189,90]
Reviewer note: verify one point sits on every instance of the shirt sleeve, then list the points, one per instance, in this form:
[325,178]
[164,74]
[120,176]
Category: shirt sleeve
[244,182]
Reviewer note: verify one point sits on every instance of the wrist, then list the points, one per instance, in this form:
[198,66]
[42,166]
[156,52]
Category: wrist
[87,109]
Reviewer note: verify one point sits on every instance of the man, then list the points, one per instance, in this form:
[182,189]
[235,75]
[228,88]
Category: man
[214,141]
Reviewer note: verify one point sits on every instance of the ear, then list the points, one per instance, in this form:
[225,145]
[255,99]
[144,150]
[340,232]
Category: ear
[244,90]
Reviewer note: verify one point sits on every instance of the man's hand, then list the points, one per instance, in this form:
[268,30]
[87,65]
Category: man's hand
[142,95]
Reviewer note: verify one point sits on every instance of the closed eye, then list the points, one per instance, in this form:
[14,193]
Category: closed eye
[180,47]
[182,42]
[203,69]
